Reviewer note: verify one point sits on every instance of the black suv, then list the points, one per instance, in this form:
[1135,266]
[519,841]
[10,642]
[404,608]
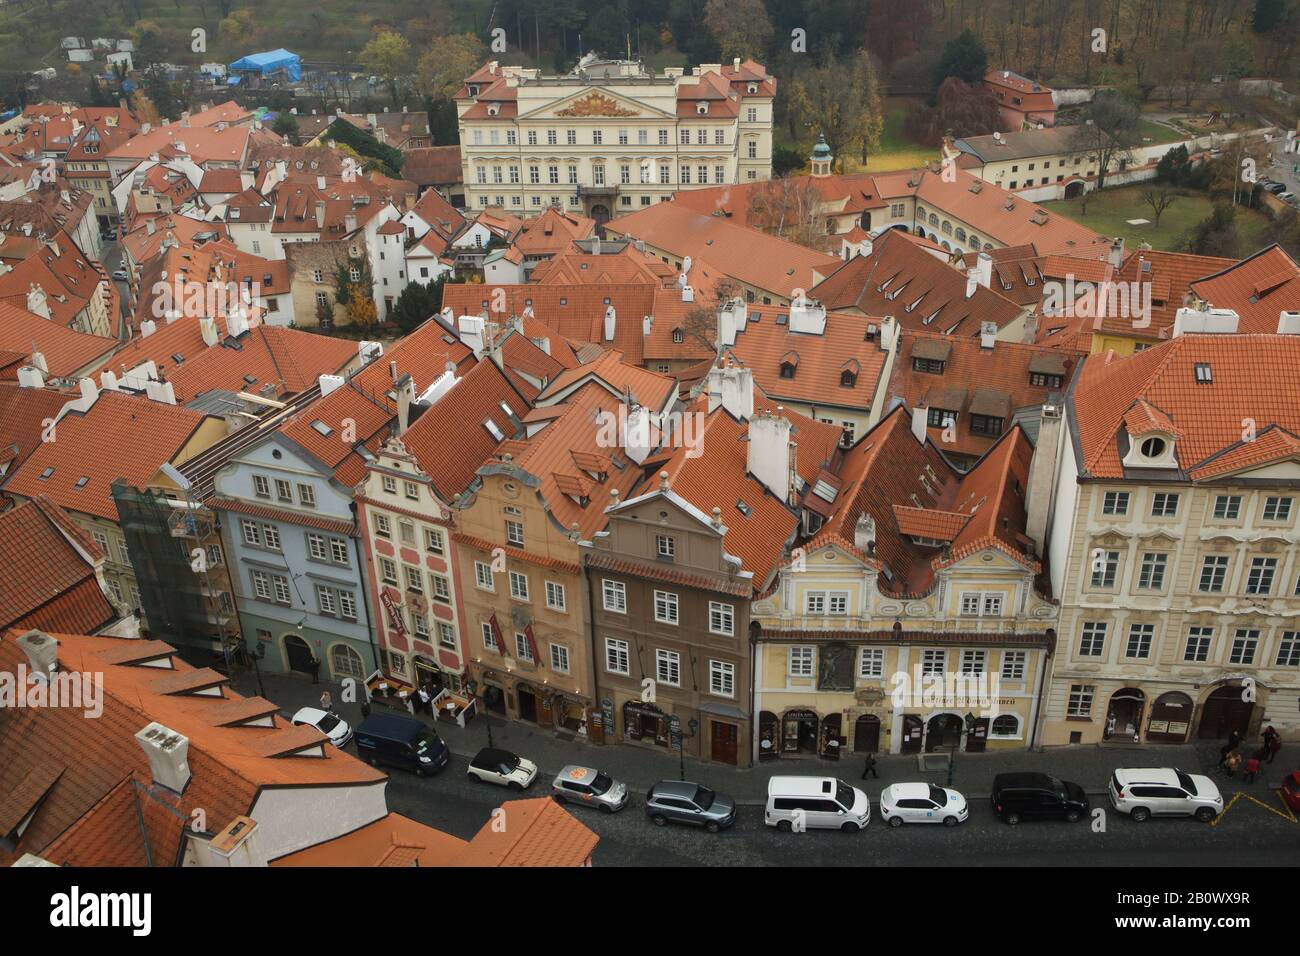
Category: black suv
[1037,796]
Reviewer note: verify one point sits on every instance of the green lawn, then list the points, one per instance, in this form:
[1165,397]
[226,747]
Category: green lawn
[895,151]
[1109,210]
[1159,133]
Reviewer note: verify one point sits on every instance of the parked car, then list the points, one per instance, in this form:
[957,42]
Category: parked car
[922,803]
[1275,188]
[1286,197]
[680,801]
[331,725]
[401,742]
[591,788]
[1291,790]
[120,275]
[492,765]
[1037,796]
[1164,792]
[815,803]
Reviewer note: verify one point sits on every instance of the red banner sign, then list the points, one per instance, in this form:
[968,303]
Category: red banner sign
[394,614]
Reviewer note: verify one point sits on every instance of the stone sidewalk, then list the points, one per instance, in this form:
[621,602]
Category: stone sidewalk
[641,765]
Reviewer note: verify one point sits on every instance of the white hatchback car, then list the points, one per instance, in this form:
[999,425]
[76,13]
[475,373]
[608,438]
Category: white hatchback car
[492,765]
[922,803]
[331,725]
[1164,792]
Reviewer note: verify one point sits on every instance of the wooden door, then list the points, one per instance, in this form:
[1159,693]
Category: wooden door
[299,654]
[866,734]
[1225,712]
[913,732]
[978,737]
[726,738]
[527,704]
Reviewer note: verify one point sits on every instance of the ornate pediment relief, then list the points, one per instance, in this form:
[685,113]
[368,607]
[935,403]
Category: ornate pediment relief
[595,104]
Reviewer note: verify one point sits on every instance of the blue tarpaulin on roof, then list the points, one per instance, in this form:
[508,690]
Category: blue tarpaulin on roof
[271,61]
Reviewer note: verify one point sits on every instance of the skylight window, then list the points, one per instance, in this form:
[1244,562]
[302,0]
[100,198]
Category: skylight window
[321,428]
[81,482]
[495,432]
[824,491]
[742,508]
[1204,375]
[46,473]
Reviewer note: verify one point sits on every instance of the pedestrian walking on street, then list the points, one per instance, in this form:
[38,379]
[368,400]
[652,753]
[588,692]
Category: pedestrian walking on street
[1252,768]
[1235,739]
[327,702]
[870,767]
[1272,742]
[315,669]
[1231,764]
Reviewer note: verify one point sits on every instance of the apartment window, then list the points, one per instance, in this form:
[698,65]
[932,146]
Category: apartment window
[1164,505]
[975,603]
[261,487]
[252,533]
[1227,507]
[625,175]
[1139,641]
[446,635]
[441,588]
[1197,650]
[412,490]
[414,579]
[838,602]
[1277,509]
[665,607]
[614,596]
[281,585]
[1013,665]
[1214,572]
[316,547]
[668,668]
[701,137]
[523,650]
[518,586]
[514,533]
[1105,565]
[702,173]
[1244,643]
[406,531]
[573,175]
[1080,701]
[665,175]
[598,175]
[752,150]
[513,172]
[940,418]
[722,679]
[1288,650]
[1037,379]
[553,175]
[616,656]
[871,662]
[559,658]
[489,637]
[685,174]
[534,175]
[347,605]
[388,571]
[551,137]
[974,662]
[597,137]
[483,576]
[383,527]
[325,600]
[261,586]
[815,602]
[933,663]
[433,541]
[555,596]
[1115,503]
[1260,579]
[665,547]
[985,425]
[722,618]
[532,137]
[801,662]
[1092,640]
[1151,573]
[390,485]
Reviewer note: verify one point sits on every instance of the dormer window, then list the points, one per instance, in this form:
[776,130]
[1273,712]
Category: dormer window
[930,366]
[848,378]
[702,108]
[1153,447]
[678,336]
[787,369]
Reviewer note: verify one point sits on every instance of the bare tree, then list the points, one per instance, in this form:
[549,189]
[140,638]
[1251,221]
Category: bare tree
[786,207]
[1159,199]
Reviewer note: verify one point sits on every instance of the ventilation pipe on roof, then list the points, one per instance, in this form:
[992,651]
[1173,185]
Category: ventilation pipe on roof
[988,334]
[771,453]
[168,754]
[920,419]
[37,301]
[30,377]
[237,845]
[1288,323]
[42,653]
[611,323]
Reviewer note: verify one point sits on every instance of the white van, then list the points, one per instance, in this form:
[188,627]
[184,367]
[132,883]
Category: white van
[798,803]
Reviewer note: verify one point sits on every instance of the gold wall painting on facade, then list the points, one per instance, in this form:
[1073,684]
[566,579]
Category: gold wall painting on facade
[595,104]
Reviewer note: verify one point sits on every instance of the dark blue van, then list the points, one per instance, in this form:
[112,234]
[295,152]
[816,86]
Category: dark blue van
[401,742]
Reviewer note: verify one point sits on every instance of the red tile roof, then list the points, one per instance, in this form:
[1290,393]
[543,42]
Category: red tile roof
[1257,288]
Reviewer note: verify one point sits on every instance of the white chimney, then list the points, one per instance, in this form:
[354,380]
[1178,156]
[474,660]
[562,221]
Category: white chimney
[736,64]
[920,416]
[638,435]
[984,269]
[38,359]
[163,392]
[688,294]
[1209,322]
[864,533]
[1043,469]
[611,323]
[331,383]
[42,652]
[237,845]
[731,320]
[864,247]
[147,328]
[37,302]
[1116,255]
[168,754]
[807,316]
[440,387]
[89,391]
[733,389]
[29,376]
[150,226]
[770,456]
[236,322]
[108,380]
[208,329]
[647,323]
[972,281]
[1288,323]
[988,334]
[471,332]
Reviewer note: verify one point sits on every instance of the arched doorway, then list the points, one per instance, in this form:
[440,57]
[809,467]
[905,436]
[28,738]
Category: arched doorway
[527,703]
[494,698]
[769,728]
[943,732]
[977,739]
[1073,190]
[346,662]
[799,732]
[832,739]
[427,672]
[600,213]
[913,733]
[1224,712]
[866,734]
[1124,715]
[1171,718]
[297,654]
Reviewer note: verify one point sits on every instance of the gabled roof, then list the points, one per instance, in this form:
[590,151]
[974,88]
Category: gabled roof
[1257,288]
[432,165]
[66,351]
[552,232]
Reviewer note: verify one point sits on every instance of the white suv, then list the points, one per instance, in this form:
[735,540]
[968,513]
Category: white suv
[1164,792]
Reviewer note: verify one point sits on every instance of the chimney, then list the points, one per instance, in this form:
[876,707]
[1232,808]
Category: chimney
[984,269]
[807,316]
[1288,323]
[168,754]
[162,392]
[405,399]
[647,323]
[1041,482]
[638,434]
[30,377]
[150,226]
[471,332]
[920,416]
[864,533]
[988,334]
[611,323]
[320,182]
[736,64]
[733,389]
[236,322]
[147,328]
[350,223]
[972,281]
[42,652]
[320,214]
[1205,322]
[237,845]
[37,302]
[1116,255]
[208,329]
[108,380]
[731,321]
[331,383]
[688,294]
[38,359]
[770,456]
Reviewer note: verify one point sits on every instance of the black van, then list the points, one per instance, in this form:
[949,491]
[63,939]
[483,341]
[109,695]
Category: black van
[1036,796]
[401,742]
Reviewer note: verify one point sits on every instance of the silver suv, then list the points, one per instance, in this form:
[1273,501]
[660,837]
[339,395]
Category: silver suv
[1164,792]
[683,802]
[590,787]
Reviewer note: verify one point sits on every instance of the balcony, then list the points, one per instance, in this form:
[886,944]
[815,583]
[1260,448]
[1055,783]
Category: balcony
[598,192]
